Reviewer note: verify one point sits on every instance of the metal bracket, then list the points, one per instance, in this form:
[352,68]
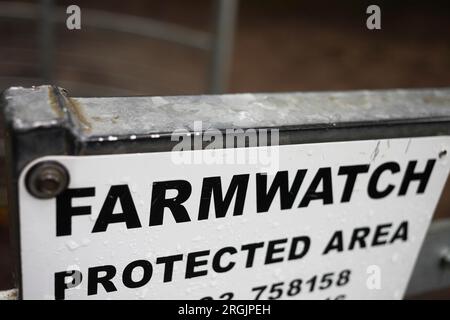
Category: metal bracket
[432,270]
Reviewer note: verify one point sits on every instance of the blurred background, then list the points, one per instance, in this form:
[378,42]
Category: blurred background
[173,47]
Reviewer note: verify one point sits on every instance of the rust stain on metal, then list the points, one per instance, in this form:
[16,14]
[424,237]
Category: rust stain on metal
[73,106]
[76,109]
[54,103]
[436,100]
[113,119]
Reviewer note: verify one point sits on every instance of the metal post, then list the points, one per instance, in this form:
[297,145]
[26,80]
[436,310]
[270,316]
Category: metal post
[46,40]
[225,13]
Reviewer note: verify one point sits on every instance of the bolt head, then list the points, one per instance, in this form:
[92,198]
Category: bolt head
[47,179]
[445,259]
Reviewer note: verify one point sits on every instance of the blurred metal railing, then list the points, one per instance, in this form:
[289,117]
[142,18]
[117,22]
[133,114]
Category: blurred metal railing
[218,43]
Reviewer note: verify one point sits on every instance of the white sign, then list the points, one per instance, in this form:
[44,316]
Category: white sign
[341,220]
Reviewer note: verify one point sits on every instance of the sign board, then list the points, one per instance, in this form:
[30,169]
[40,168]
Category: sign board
[337,220]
